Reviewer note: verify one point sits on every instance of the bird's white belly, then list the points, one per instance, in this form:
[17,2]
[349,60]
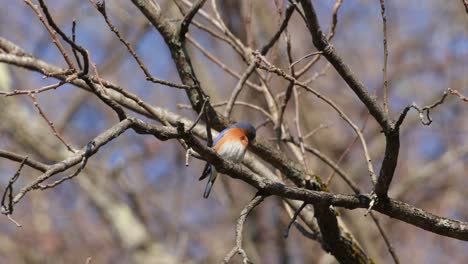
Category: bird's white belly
[232,150]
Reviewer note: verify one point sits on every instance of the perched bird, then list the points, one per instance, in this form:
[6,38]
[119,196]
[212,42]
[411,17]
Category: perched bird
[231,144]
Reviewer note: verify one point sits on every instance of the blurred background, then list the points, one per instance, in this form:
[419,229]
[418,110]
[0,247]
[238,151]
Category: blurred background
[137,200]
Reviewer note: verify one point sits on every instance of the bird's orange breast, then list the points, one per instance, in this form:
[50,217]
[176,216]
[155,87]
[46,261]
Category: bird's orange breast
[236,133]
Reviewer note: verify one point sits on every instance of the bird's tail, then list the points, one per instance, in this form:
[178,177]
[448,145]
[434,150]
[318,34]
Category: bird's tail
[208,171]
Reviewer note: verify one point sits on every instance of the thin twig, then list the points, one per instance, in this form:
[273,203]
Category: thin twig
[210,31]
[202,111]
[239,228]
[279,72]
[305,57]
[289,90]
[13,220]
[297,118]
[53,34]
[424,112]
[101,7]
[282,27]
[64,36]
[85,156]
[218,62]
[318,74]
[293,219]
[331,34]
[238,88]
[248,24]
[40,90]
[347,178]
[334,22]
[50,123]
[219,26]
[7,197]
[78,61]
[347,150]
[457,93]
[384,70]
[315,130]
[386,239]
[234,41]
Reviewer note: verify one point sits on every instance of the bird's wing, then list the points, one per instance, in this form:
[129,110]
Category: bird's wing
[221,135]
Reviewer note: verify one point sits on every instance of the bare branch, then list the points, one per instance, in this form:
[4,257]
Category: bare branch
[322,44]
[385,48]
[101,7]
[274,69]
[50,123]
[184,26]
[240,227]
[7,197]
[293,219]
[424,112]
[28,161]
[382,232]
[236,91]
[457,93]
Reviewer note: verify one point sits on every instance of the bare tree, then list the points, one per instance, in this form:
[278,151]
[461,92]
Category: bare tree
[360,111]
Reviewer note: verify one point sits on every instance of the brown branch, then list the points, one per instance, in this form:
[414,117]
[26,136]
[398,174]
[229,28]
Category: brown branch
[333,165]
[53,34]
[236,91]
[184,26]
[424,112]
[7,197]
[385,48]
[28,161]
[240,227]
[78,61]
[395,209]
[293,219]
[347,150]
[40,90]
[248,24]
[75,46]
[392,208]
[234,43]
[215,60]
[139,126]
[402,211]
[331,34]
[50,123]
[279,72]
[101,7]
[289,11]
[322,44]
[382,232]
[84,160]
[182,61]
[457,93]
[125,98]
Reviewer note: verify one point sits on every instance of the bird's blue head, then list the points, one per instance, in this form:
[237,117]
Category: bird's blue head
[251,133]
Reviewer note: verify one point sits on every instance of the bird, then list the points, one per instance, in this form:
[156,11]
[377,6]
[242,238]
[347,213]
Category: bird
[231,144]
